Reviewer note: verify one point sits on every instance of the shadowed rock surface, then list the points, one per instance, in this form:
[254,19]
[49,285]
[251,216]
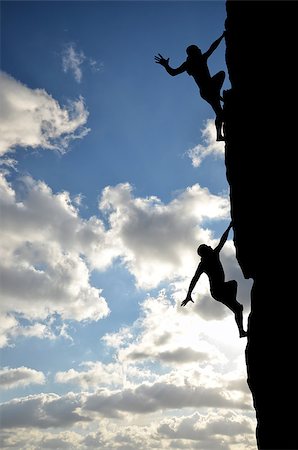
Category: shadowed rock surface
[261,156]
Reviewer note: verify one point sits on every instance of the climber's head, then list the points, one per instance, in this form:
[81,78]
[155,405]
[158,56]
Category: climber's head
[204,250]
[193,50]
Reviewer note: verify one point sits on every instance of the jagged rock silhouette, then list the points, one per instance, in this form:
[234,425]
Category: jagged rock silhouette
[260,116]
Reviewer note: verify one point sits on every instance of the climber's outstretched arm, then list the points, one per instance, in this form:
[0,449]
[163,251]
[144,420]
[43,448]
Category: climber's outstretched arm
[193,282]
[223,239]
[213,46]
[165,63]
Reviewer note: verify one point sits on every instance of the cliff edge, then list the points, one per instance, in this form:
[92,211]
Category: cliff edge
[261,153]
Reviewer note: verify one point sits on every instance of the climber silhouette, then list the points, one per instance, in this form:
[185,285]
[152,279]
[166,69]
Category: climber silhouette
[221,290]
[196,65]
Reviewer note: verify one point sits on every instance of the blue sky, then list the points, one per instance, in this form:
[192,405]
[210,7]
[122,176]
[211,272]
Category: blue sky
[110,178]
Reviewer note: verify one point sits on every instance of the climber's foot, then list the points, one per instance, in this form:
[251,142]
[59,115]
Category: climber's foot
[243,334]
[220,138]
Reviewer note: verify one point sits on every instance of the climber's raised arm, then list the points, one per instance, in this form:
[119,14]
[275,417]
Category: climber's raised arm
[213,46]
[193,282]
[165,63]
[223,239]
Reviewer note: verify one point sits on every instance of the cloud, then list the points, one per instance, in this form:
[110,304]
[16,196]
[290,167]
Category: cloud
[33,118]
[7,323]
[179,355]
[44,417]
[160,433]
[49,330]
[72,61]
[212,431]
[62,287]
[97,374]
[96,66]
[155,240]
[164,334]
[111,375]
[42,411]
[30,438]
[201,428]
[182,349]
[238,384]
[209,147]
[49,251]
[52,410]
[43,269]
[63,440]
[21,376]
[118,339]
[158,396]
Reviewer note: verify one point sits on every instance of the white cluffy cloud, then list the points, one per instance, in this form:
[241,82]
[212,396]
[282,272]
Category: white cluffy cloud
[218,431]
[159,396]
[209,147]
[48,250]
[43,269]
[202,428]
[52,410]
[174,337]
[144,398]
[42,411]
[19,377]
[96,374]
[157,241]
[33,118]
[169,341]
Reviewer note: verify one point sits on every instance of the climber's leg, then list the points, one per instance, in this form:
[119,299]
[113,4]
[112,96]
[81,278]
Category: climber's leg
[228,298]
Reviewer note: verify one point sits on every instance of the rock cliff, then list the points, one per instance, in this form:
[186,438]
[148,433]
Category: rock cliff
[261,147]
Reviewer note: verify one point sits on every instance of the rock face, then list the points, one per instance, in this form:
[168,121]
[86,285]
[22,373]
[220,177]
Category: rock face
[261,153]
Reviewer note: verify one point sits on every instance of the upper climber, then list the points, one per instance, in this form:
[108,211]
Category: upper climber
[196,66]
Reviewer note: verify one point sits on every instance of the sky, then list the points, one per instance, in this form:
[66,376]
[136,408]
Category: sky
[110,179]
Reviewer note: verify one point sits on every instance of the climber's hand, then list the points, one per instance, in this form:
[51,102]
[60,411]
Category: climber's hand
[188,299]
[161,60]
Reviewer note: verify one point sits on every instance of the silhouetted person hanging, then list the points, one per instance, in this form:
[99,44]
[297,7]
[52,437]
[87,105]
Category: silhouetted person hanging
[196,66]
[221,290]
